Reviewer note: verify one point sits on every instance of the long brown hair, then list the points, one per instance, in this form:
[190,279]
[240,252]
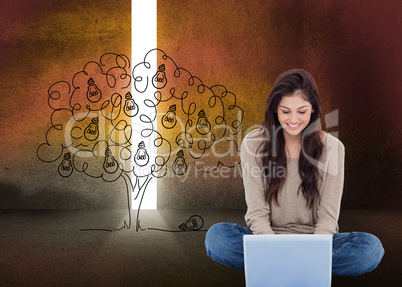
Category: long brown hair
[273,149]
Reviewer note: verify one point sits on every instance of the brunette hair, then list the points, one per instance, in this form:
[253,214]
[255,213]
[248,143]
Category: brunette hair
[273,149]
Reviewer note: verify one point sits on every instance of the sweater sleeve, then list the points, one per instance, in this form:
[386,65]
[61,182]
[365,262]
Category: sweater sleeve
[257,216]
[329,206]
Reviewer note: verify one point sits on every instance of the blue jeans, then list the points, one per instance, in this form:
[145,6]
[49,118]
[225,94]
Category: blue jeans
[353,253]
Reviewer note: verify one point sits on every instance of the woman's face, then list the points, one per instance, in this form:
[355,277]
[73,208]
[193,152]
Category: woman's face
[294,113]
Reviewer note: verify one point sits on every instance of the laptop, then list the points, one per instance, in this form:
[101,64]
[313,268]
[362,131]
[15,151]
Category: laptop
[288,260]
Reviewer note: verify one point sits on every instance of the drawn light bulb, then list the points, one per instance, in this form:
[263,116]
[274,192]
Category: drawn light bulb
[179,165]
[65,167]
[110,165]
[195,222]
[169,119]
[93,93]
[141,158]
[130,106]
[159,79]
[91,132]
[203,126]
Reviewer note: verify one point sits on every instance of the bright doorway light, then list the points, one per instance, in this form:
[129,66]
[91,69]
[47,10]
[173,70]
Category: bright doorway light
[143,39]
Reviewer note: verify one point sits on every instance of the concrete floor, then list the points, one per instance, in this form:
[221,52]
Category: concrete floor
[49,248]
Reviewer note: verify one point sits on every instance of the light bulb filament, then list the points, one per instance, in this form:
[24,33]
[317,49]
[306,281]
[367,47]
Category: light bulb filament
[110,164]
[91,131]
[179,165]
[66,166]
[160,77]
[141,157]
[131,106]
[169,119]
[93,93]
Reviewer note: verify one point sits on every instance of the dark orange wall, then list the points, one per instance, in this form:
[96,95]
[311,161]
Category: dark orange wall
[352,48]
[42,42]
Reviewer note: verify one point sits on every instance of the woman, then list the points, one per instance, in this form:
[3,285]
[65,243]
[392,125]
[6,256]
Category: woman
[293,175]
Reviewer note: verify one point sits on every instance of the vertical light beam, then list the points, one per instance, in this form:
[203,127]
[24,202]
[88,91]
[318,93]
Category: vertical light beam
[143,39]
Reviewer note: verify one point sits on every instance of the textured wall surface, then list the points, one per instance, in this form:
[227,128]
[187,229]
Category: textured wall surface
[352,49]
[43,42]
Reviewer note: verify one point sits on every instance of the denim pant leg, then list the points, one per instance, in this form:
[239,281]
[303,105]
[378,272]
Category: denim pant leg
[224,244]
[355,253]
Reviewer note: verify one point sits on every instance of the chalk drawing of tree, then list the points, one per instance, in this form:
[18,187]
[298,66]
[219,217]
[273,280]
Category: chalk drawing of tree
[167,124]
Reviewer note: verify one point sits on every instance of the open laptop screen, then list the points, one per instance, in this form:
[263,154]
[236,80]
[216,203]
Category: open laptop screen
[288,260]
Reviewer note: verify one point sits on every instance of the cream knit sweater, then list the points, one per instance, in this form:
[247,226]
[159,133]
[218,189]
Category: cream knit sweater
[292,215]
